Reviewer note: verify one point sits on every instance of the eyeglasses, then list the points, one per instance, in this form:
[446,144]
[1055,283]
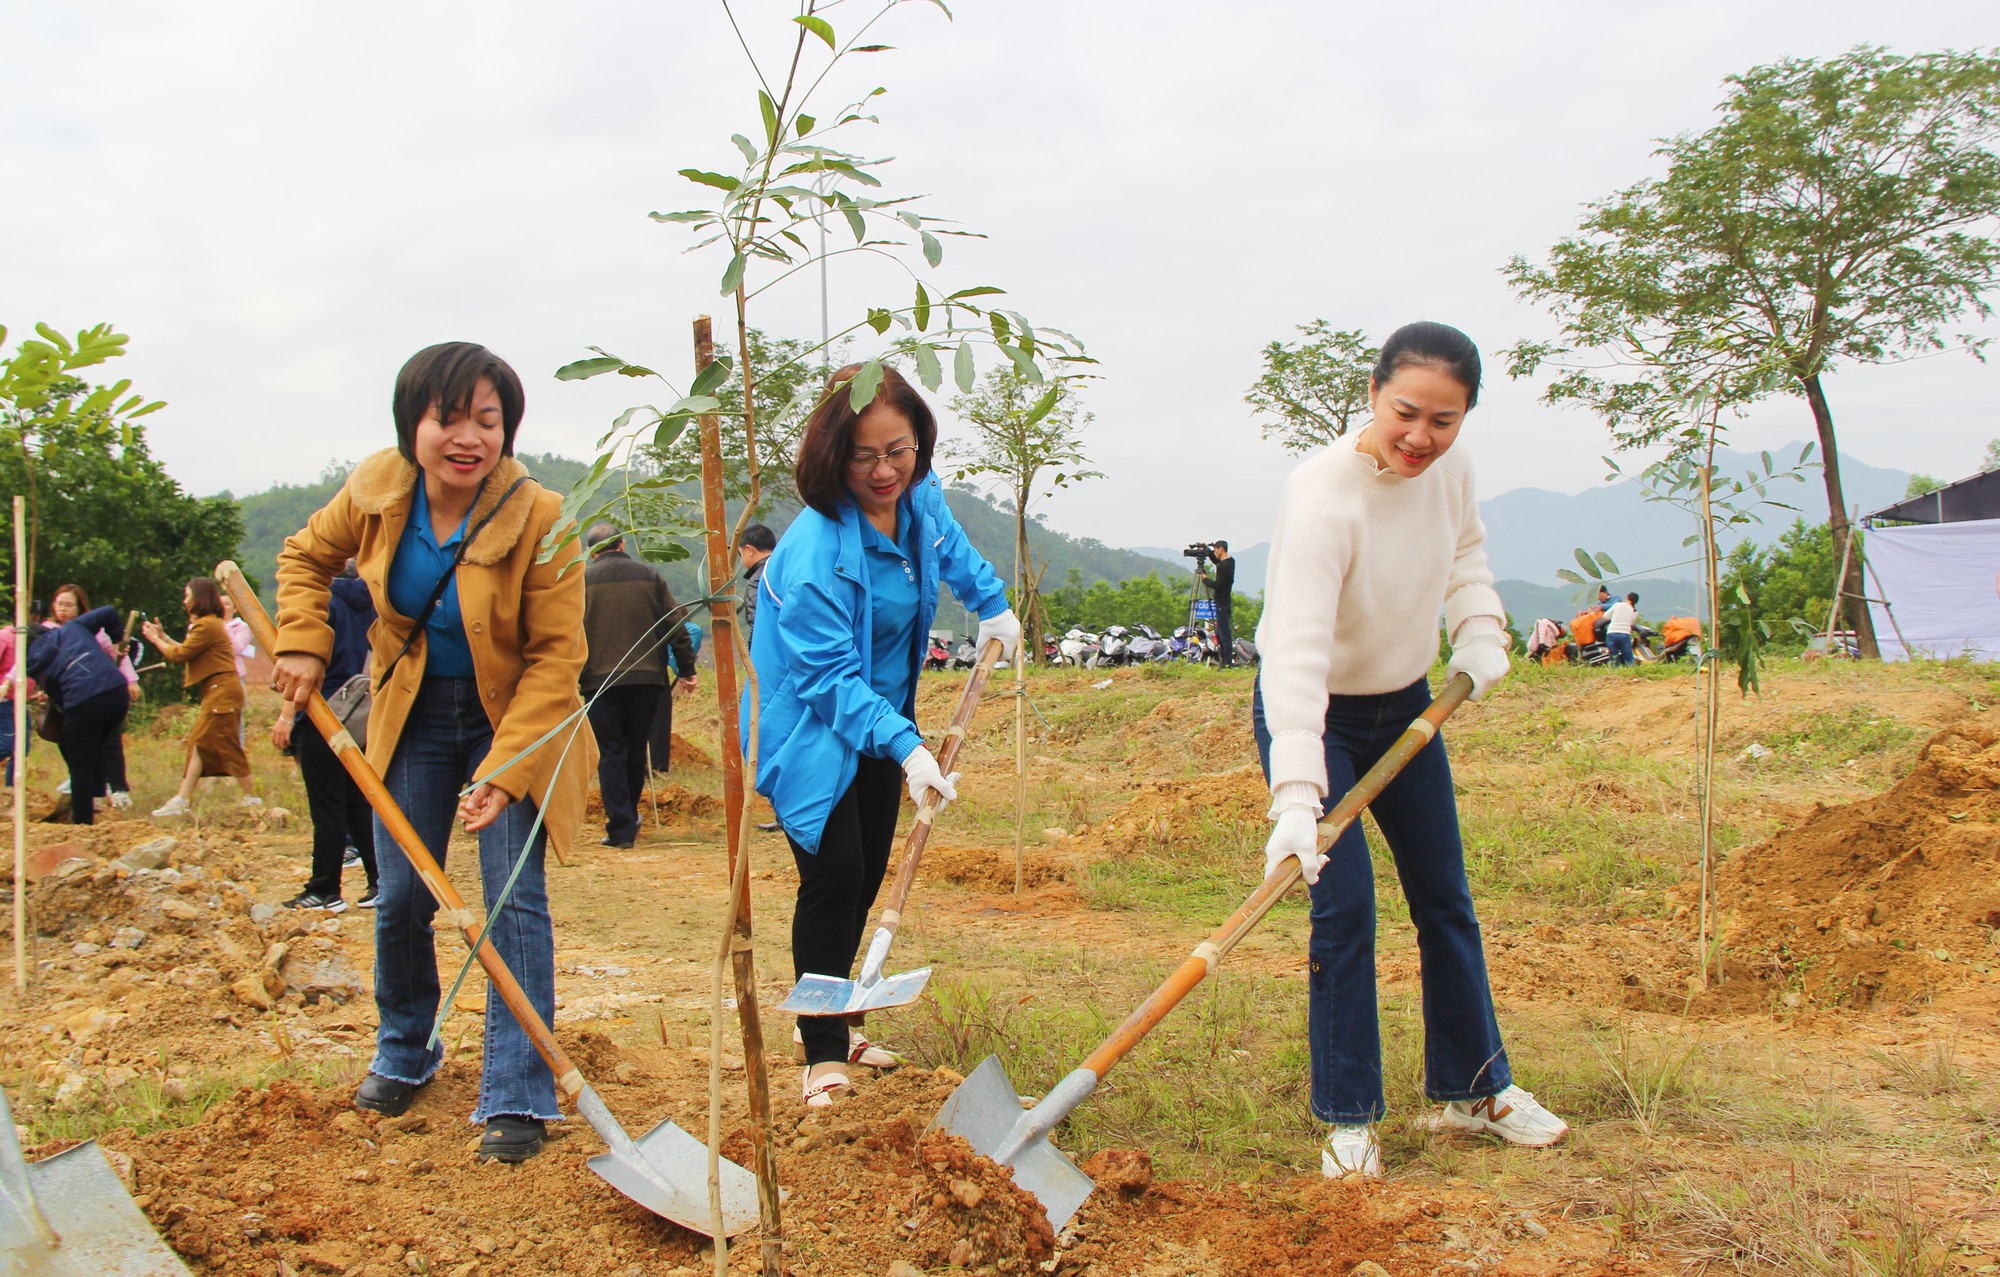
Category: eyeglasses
[863,462]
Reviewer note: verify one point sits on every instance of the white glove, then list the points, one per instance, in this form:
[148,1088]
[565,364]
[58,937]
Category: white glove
[1480,652]
[922,772]
[1006,627]
[1295,808]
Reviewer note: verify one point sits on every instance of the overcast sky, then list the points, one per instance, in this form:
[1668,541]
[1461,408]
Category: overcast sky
[279,203]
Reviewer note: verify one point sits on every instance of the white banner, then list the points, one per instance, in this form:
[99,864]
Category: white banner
[1942,581]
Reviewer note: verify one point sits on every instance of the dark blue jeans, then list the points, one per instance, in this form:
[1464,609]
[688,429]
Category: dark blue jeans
[1621,648]
[7,735]
[444,741]
[1463,1055]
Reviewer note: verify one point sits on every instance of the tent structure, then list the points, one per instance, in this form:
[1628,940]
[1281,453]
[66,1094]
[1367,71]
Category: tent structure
[1937,571]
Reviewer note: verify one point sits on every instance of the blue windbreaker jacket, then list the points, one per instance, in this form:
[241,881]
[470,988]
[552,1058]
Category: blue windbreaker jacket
[817,713]
[69,664]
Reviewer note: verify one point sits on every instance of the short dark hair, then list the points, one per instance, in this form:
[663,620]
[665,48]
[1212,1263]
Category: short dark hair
[82,599]
[758,537]
[1219,545]
[207,598]
[443,377]
[820,474]
[1633,599]
[1435,345]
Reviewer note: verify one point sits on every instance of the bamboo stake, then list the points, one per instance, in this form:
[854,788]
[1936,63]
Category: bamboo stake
[1846,552]
[1713,705]
[737,945]
[20,675]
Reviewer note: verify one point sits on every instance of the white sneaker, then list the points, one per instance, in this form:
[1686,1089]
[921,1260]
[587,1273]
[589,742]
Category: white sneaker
[1513,1115]
[251,800]
[175,806]
[121,799]
[1351,1150]
[63,788]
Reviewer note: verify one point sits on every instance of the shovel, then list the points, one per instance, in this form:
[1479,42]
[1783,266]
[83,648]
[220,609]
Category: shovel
[69,1216]
[831,995]
[665,1170]
[986,1107]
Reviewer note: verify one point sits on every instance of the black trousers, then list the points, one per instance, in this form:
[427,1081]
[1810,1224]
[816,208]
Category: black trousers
[622,718]
[660,740]
[341,816]
[1225,638]
[837,889]
[86,727]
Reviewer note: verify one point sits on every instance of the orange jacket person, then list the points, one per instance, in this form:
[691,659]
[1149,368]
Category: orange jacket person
[475,657]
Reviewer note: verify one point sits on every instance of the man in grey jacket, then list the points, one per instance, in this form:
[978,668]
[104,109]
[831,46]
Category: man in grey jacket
[630,622]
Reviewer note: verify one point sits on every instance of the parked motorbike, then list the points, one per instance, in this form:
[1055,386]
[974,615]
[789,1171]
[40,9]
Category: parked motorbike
[1117,646]
[1148,647]
[1051,650]
[1081,649]
[1183,645]
[965,656]
[937,655]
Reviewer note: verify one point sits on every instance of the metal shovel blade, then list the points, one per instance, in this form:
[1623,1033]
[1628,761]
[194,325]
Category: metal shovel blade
[830,995]
[666,1171]
[99,1231]
[985,1110]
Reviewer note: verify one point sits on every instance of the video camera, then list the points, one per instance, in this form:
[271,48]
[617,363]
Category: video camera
[1201,552]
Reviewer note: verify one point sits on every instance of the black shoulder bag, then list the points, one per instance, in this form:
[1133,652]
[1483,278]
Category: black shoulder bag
[437,591]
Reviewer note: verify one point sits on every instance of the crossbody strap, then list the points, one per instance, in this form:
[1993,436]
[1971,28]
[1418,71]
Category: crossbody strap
[437,591]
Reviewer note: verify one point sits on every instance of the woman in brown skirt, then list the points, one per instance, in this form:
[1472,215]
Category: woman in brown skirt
[215,746]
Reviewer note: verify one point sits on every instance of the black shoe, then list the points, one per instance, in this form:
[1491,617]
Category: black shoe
[315,900]
[510,1139]
[350,856]
[609,841]
[369,898]
[379,1094]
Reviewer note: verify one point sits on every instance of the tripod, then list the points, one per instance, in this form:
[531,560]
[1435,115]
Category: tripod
[1201,605]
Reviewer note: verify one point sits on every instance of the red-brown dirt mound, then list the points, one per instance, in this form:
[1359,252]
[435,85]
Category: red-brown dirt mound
[990,867]
[1895,897]
[1163,810]
[674,800]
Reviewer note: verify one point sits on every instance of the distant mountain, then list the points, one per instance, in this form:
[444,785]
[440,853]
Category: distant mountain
[1531,532]
[1659,598]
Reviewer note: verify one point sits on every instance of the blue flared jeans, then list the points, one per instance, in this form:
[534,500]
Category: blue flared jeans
[443,743]
[1418,816]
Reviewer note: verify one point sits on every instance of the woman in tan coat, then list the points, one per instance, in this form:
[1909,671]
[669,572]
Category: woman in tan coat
[215,746]
[475,658]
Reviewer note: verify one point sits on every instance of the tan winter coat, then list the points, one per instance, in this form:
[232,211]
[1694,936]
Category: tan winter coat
[523,622]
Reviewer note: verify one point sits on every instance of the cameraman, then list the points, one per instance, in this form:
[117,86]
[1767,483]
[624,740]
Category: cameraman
[1225,585]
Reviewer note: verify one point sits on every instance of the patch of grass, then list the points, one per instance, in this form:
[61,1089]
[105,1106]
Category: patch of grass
[1934,1073]
[1857,732]
[151,1103]
[1201,875]
[1812,1217]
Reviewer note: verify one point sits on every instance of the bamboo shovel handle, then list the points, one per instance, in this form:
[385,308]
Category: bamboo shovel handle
[1209,953]
[954,736]
[450,903]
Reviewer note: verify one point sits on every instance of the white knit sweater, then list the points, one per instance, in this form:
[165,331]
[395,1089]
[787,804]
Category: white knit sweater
[1361,564]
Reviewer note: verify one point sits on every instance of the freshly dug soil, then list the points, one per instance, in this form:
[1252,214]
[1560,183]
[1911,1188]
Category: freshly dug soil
[1894,898]
[1162,810]
[991,868]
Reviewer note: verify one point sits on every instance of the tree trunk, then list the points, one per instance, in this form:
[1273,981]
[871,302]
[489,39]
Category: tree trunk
[1829,454]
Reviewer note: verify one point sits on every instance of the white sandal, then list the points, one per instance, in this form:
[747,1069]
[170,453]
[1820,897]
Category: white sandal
[819,1093]
[859,1051]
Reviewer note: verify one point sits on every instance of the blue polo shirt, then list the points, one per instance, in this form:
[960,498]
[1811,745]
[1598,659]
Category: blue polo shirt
[892,622]
[420,560]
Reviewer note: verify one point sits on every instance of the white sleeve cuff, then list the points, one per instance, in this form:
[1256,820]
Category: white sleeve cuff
[1468,601]
[1294,793]
[1298,757]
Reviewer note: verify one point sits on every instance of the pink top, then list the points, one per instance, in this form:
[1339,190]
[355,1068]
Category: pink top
[7,641]
[124,662]
[240,638]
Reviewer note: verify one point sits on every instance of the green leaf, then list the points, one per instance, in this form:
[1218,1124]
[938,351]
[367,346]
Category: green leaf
[805,124]
[880,319]
[710,378]
[1044,406]
[933,250]
[719,181]
[1767,463]
[929,370]
[1567,575]
[583,369]
[1589,567]
[1604,561]
[688,405]
[819,27]
[922,311]
[963,371]
[769,110]
[635,370]
[746,146]
[670,430]
[872,48]
[733,276]
[861,391]
[699,215]
[983,290]
[624,418]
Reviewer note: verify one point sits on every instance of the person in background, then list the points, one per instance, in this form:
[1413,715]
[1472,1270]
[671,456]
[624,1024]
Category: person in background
[245,644]
[215,745]
[1618,629]
[752,548]
[475,722]
[1225,603]
[848,600]
[341,817]
[82,682]
[9,637]
[1377,534]
[68,603]
[631,624]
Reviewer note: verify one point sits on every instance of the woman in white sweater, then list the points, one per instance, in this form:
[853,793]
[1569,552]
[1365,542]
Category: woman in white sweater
[1376,535]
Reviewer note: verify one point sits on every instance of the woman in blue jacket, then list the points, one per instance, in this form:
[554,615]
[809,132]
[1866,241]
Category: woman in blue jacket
[844,606]
[83,682]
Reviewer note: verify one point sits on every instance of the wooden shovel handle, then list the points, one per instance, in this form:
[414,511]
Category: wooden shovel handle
[450,903]
[954,736]
[1209,953]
